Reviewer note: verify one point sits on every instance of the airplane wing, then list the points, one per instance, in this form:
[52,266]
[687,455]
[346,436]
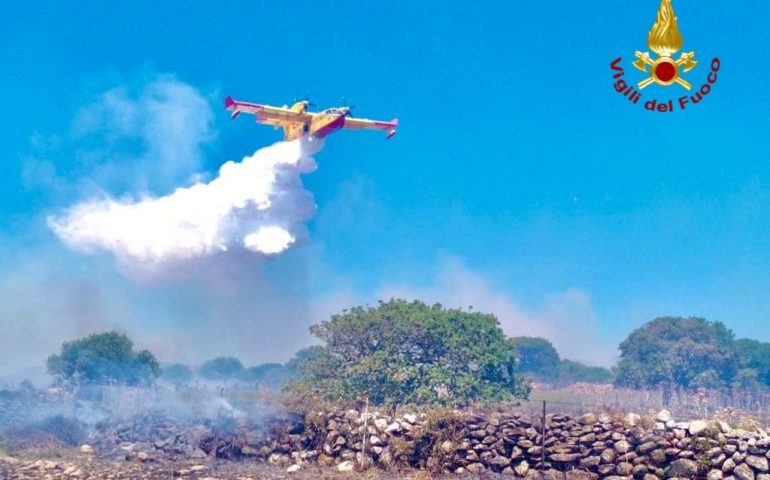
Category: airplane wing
[359,123]
[264,113]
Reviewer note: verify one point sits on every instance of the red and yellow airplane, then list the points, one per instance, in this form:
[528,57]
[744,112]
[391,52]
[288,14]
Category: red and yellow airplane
[298,122]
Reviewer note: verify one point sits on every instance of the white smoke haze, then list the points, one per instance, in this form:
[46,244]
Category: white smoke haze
[148,136]
[566,318]
[258,204]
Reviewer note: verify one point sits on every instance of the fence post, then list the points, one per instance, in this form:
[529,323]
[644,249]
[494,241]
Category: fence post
[364,459]
[542,442]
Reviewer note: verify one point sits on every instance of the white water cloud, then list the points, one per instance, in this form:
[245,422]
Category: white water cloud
[258,204]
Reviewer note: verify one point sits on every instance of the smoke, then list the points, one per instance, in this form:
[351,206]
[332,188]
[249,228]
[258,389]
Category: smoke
[258,204]
[566,318]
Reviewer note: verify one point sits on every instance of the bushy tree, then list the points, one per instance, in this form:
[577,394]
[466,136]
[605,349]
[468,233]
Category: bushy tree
[103,358]
[537,357]
[408,352]
[222,368]
[177,373]
[570,371]
[755,355]
[673,352]
[746,380]
[271,375]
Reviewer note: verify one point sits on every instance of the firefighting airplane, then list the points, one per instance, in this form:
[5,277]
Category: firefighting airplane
[298,122]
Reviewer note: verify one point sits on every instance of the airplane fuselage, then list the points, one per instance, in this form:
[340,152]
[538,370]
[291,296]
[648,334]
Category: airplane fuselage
[297,122]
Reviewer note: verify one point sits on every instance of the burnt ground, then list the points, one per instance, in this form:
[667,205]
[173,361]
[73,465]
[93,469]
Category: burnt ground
[64,463]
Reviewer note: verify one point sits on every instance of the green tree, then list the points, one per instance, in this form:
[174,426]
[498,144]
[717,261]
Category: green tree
[674,352]
[570,371]
[755,355]
[271,375]
[746,380]
[101,359]
[401,352]
[222,368]
[177,373]
[537,357]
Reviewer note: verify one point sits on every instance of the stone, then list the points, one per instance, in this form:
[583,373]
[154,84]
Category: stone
[632,419]
[564,457]
[526,444]
[663,416]
[650,476]
[646,447]
[624,469]
[87,449]
[293,468]
[521,468]
[622,446]
[658,456]
[757,462]
[475,468]
[346,466]
[579,475]
[606,469]
[592,461]
[411,418]
[724,427]
[640,470]
[697,426]
[394,427]
[714,475]
[381,424]
[248,451]
[728,465]
[587,419]
[682,468]
[500,461]
[552,474]
[198,468]
[608,456]
[516,453]
[743,472]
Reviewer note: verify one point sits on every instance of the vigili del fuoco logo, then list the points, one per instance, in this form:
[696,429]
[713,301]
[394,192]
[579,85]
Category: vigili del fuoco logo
[665,40]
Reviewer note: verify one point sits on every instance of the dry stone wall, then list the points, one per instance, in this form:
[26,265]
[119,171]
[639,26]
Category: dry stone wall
[588,447]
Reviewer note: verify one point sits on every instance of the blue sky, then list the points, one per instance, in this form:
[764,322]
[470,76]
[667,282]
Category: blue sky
[519,181]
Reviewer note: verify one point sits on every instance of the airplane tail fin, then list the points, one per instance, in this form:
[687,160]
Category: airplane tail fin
[392,131]
[231,105]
